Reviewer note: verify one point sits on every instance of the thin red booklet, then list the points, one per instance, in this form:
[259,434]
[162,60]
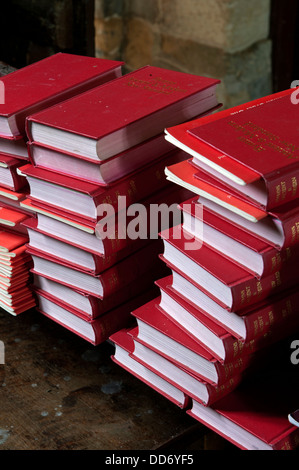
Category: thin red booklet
[181,136]
[240,246]
[158,332]
[131,109]
[48,82]
[202,184]
[263,138]
[225,282]
[83,199]
[255,416]
[124,345]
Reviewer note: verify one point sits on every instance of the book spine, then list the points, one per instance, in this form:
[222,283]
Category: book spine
[228,370]
[215,393]
[110,323]
[260,322]
[288,441]
[291,231]
[252,291]
[282,189]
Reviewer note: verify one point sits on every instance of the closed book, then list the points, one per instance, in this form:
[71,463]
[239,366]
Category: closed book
[240,246]
[102,285]
[124,345]
[190,384]
[224,281]
[95,331]
[132,109]
[158,332]
[103,173]
[89,306]
[16,148]
[247,324]
[255,415]
[84,199]
[47,82]
[263,138]
[215,338]
[278,228]
[9,178]
[202,153]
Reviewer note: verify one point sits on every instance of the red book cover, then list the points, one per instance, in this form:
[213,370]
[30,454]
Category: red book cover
[16,148]
[264,139]
[181,136]
[48,82]
[242,247]
[124,346]
[228,284]
[133,188]
[133,108]
[255,415]
[199,182]
[162,324]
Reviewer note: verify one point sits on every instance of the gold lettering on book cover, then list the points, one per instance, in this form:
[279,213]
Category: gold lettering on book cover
[242,296]
[261,323]
[259,139]
[157,85]
[259,288]
[294,185]
[248,293]
[256,327]
[271,317]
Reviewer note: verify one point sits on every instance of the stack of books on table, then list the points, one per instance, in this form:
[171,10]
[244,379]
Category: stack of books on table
[23,92]
[96,171]
[232,295]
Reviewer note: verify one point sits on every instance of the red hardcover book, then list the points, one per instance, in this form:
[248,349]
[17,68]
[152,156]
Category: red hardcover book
[102,173]
[158,332]
[124,345]
[251,253]
[225,282]
[263,138]
[255,416]
[89,306]
[200,183]
[279,228]
[9,178]
[190,384]
[132,109]
[214,337]
[181,136]
[96,331]
[62,193]
[247,324]
[49,82]
[17,148]
[104,284]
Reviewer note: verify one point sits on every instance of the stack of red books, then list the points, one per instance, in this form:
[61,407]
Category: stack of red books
[23,92]
[232,295]
[92,159]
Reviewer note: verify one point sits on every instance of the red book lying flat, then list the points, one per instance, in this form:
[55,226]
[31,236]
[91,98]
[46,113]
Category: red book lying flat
[255,416]
[48,82]
[96,331]
[17,148]
[278,228]
[51,190]
[181,136]
[9,178]
[102,173]
[130,110]
[184,174]
[225,282]
[124,345]
[104,284]
[251,253]
[214,337]
[158,332]
[263,138]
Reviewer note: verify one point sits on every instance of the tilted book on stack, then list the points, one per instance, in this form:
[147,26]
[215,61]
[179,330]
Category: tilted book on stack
[26,91]
[232,294]
[93,158]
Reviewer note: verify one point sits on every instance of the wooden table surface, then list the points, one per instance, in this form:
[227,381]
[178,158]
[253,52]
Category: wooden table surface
[58,392]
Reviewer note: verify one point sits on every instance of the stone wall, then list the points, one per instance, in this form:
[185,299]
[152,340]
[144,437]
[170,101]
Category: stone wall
[225,39]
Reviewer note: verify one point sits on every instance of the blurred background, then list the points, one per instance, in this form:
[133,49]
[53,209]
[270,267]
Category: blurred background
[251,46]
